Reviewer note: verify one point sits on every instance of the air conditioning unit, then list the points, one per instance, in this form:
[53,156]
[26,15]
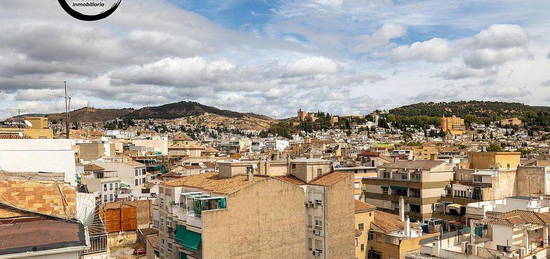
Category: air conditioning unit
[315,253]
[317,232]
[318,202]
[310,203]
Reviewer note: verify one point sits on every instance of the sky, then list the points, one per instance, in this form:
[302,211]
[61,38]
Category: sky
[275,57]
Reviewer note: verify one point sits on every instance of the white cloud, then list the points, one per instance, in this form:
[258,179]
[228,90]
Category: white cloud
[312,66]
[466,72]
[506,92]
[380,37]
[433,50]
[500,36]
[496,45]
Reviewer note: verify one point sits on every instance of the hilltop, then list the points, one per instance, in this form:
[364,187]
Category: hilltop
[184,109]
[471,112]
[464,108]
[88,114]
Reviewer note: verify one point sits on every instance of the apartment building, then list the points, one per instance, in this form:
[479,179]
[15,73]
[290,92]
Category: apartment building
[259,198]
[420,182]
[129,172]
[35,128]
[219,216]
[359,173]
[453,125]
[515,234]
[494,160]
[488,176]
[104,184]
[364,216]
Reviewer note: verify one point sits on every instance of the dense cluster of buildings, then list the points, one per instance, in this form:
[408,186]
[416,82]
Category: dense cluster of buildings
[361,193]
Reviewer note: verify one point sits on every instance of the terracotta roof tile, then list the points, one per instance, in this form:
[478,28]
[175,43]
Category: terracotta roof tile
[45,197]
[330,178]
[93,167]
[363,207]
[290,179]
[386,222]
[213,182]
[520,217]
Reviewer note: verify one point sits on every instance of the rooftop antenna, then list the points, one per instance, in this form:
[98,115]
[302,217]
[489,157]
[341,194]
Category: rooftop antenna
[67,100]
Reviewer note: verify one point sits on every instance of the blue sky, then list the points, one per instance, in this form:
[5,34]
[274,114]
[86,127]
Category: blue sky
[274,57]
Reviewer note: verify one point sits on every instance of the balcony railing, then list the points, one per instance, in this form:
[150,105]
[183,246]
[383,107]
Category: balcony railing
[98,244]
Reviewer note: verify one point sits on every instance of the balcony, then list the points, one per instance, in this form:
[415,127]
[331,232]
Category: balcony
[194,204]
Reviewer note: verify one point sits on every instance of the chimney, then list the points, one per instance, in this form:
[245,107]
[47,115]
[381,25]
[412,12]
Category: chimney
[401,208]
[408,227]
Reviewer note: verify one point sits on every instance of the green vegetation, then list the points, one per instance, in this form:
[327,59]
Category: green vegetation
[422,114]
[493,147]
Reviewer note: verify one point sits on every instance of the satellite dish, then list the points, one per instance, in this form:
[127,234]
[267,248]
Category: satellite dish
[28,123]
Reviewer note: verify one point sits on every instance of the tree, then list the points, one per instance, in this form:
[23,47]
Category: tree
[493,147]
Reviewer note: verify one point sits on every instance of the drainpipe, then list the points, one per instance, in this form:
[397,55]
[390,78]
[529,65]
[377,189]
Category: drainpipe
[325,247]
[401,208]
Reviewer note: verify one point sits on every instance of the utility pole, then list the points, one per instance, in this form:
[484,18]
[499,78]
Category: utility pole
[66,111]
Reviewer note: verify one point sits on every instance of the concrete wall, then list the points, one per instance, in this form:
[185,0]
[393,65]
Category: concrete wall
[504,185]
[159,145]
[308,172]
[364,218]
[34,155]
[264,220]
[90,151]
[496,160]
[531,180]
[340,221]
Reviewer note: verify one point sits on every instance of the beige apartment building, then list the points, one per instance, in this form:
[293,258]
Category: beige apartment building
[420,182]
[453,125]
[245,212]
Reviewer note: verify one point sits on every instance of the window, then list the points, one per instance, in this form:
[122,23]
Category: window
[309,243]
[371,235]
[404,177]
[136,182]
[111,197]
[478,178]
[319,172]
[362,247]
[386,175]
[136,172]
[116,186]
[105,187]
[111,186]
[361,226]
[385,189]
[309,220]
[318,222]
[318,244]
[293,166]
[105,198]
[414,208]
[414,193]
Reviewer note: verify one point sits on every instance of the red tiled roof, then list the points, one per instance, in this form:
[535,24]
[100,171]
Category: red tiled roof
[363,207]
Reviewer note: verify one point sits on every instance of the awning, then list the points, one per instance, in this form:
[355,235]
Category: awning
[455,206]
[399,187]
[188,239]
